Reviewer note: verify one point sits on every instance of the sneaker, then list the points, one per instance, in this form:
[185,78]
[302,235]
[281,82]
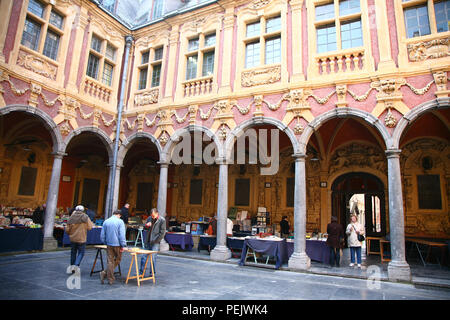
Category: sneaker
[352,264]
[359,265]
[102,276]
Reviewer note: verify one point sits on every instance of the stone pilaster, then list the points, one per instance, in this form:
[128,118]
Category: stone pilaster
[221,251]
[51,243]
[398,268]
[162,199]
[299,259]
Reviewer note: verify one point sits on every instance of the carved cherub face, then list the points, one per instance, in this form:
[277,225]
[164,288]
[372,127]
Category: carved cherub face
[387,86]
[296,95]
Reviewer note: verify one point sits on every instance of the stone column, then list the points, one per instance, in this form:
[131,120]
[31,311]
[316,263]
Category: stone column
[115,191]
[221,251]
[109,194]
[162,199]
[51,243]
[299,259]
[398,268]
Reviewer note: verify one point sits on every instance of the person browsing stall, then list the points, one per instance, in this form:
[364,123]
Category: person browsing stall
[156,226]
[113,235]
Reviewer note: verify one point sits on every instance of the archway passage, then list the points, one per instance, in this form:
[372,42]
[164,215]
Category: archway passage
[361,194]
[85,173]
[139,177]
[25,160]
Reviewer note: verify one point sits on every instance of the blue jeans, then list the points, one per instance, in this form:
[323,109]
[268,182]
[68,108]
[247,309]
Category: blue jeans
[335,256]
[152,247]
[77,253]
[356,250]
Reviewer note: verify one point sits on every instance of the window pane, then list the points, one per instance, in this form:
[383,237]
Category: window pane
[156,75]
[442,12]
[253,29]
[191,67]
[92,68]
[273,50]
[107,74]
[96,44]
[326,39]
[51,45]
[110,52]
[145,56]
[158,54]
[325,12]
[252,55]
[351,34]
[208,64]
[31,33]
[158,9]
[36,7]
[143,78]
[273,24]
[56,19]
[210,40]
[193,44]
[417,22]
[349,7]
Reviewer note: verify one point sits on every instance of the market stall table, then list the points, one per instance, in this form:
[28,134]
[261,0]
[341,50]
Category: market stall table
[184,240]
[316,250]
[93,237]
[207,242]
[99,253]
[429,245]
[21,239]
[271,248]
[140,277]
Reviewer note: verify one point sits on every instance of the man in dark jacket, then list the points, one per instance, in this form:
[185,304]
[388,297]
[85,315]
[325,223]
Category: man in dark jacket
[39,214]
[125,212]
[334,241]
[156,229]
[284,226]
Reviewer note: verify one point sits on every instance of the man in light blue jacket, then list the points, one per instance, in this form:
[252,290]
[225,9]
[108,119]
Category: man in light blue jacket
[113,235]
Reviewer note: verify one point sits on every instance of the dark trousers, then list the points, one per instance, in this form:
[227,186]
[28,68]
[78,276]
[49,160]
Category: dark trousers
[335,256]
[77,253]
[114,257]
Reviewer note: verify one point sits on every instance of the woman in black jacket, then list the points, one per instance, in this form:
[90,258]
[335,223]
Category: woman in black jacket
[334,241]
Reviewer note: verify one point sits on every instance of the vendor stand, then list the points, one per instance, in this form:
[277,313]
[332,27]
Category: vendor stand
[93,236]
[14,239]
[182,239]
[270,247]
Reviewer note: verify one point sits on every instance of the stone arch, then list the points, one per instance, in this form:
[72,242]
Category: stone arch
[46,119]
[240,129]
[100,133]
[166,154]
[342,113]
[415,113]
[128,143]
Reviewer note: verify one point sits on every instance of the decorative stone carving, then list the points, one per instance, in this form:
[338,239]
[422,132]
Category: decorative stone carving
[341,92]
[440,78]
[357,155]
[65,128]
[390,120]
[146,98]
[433,49]
[258,4]
[37,65]
[258,101]
[298,129]
[261,76]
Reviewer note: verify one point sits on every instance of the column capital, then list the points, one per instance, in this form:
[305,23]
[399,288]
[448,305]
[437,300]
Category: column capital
[393,153]
[59,154]
[163,164]
[221,161]
[118,166]
[299,156]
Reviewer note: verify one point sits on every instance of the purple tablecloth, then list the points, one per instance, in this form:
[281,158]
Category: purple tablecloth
[277,249]
[182,239]
[21,239]
[206,243]
[315,249]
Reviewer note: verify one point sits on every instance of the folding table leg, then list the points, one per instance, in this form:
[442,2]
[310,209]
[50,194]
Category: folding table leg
[137,270]
[129,270]
[95,261]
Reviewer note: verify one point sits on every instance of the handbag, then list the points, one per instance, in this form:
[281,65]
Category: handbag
[361,238]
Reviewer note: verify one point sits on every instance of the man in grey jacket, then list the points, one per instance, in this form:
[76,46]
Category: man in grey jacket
[156,230]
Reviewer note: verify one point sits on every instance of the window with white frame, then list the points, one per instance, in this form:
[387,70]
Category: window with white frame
[43,29]
[338,25]
[200,56]
[263,42]
[158,6]
[101,61]
[424,17]
[151,63]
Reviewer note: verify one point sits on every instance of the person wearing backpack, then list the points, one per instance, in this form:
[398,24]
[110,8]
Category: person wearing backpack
[355,235]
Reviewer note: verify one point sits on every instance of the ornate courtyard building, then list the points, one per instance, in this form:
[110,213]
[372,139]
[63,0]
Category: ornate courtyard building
[95,96]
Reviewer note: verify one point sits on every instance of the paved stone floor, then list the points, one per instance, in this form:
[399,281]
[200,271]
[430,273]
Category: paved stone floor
[43,276]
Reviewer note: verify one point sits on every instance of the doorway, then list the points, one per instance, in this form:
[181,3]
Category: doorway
[361,194]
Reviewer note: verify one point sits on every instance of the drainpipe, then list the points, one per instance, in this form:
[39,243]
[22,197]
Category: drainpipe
[112,176]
